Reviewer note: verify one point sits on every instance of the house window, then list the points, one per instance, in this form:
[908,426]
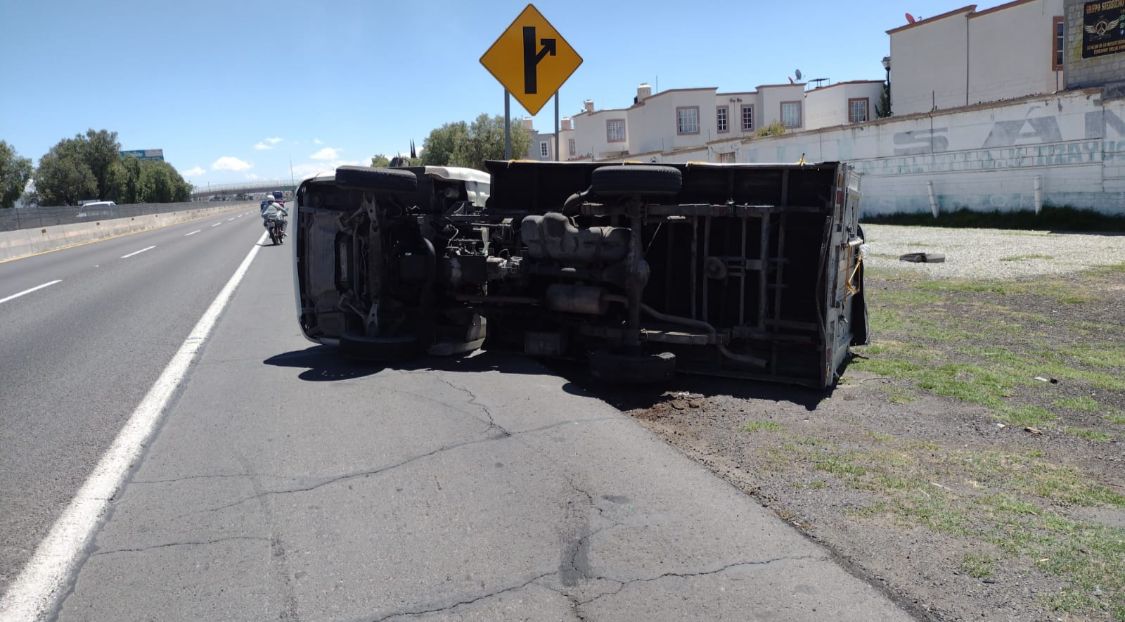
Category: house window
[615,130]
[1058,32]
[722,122]
[726,158]
[543,149]
[571,151]
[791,114]
[747,118]
[687,120]
[857,109]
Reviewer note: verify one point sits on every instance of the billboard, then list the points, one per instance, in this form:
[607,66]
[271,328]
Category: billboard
[144,154]
[1103,28]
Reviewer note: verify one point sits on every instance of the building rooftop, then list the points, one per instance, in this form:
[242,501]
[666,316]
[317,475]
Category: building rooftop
[965,9]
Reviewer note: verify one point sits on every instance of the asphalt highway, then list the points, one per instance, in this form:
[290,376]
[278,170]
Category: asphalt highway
[284,483]
[77,356]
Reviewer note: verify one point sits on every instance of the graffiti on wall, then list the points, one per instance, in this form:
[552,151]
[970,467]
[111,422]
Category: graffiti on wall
[1031,142]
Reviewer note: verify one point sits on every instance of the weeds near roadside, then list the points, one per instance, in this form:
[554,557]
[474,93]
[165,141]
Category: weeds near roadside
[761,426]
[1017,503]
[1014,349]
[977,566]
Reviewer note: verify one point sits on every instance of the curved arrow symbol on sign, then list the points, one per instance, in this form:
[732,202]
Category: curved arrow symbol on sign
[531,58]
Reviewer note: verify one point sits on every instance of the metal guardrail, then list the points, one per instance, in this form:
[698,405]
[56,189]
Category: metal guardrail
[33,217]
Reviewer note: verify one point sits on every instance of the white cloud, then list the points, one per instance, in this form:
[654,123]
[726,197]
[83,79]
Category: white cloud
[308,169]
[316,141]
[328,153]
[230,163]
[267,143]
[194,171]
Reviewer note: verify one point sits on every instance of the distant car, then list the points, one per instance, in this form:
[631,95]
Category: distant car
[97,209]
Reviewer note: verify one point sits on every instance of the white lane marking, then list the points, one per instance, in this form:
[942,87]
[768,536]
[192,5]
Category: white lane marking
[34,592]
[192,233]
[230,219]
[217,224]
[33,289]
[147,248]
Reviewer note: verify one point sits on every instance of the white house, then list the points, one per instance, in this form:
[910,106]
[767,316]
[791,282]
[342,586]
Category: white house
[965,57]
[843,103]
[678,119]
[982,117]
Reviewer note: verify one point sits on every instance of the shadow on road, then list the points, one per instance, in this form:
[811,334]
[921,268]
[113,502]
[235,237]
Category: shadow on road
[325,364]
[631,397]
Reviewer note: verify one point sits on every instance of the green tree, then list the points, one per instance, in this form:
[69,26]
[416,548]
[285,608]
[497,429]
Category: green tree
[438,147]
[883,108]
[773,129]
[159,182]
[63,176]
[380,161]
[485,141]
[121,180]
[14,173]
[470,144]
[66,171]
[100,150]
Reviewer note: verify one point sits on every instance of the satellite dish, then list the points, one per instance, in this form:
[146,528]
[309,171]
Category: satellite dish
[910,18]
[798,74]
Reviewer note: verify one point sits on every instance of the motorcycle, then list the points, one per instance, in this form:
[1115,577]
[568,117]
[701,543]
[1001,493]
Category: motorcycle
[276,229]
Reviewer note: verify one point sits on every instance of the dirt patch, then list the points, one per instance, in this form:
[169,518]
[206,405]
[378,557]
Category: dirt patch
[971,459]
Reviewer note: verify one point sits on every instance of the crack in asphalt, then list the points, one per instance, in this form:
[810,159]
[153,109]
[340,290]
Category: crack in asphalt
[687,575]
[502,435]
[352,475]
[171,544]
[172,480]
[475,401]
[462,603]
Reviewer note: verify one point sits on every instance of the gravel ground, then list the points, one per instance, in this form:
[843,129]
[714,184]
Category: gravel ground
[991,253]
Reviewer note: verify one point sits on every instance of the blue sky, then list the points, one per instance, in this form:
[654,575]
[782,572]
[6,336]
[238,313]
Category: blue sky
[235,90]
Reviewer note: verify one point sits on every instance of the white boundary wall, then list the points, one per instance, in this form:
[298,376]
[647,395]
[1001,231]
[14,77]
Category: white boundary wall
[27,242]
[984,157]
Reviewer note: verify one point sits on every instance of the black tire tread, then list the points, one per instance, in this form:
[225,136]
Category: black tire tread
[376,179]
[642,179]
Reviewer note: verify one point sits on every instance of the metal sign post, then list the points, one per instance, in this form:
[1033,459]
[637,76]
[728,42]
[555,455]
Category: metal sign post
[556,126]
[507,125]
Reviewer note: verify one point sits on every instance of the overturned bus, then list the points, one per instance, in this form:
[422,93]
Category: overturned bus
[742,270]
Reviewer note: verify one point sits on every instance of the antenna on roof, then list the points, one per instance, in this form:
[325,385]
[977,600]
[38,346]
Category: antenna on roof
[797,73]
[910,18]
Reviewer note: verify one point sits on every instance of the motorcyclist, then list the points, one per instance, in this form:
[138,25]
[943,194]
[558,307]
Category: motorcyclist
[274,211]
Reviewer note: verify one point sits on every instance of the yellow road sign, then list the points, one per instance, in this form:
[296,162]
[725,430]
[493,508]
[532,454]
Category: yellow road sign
[531,59]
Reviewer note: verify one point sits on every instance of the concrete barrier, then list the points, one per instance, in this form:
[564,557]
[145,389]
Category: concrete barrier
[27,242]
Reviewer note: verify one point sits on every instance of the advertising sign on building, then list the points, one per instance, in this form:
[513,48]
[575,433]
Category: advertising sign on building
[1103,28]
[144,154]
